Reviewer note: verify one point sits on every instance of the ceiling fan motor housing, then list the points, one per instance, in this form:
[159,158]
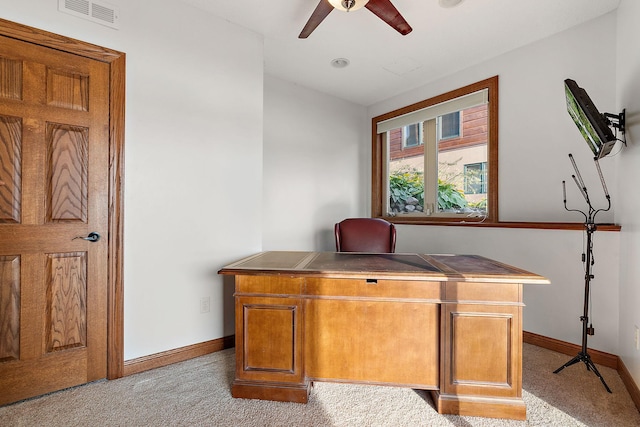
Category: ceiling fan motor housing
[348,5]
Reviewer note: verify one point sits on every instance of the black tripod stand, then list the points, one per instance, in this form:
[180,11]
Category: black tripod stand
[590,226]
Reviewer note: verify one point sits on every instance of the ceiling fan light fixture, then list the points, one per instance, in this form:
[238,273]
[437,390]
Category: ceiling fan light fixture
[348,5]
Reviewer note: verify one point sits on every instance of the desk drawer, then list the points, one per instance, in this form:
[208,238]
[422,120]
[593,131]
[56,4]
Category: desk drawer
[483,292]
[371,288]
[269,285]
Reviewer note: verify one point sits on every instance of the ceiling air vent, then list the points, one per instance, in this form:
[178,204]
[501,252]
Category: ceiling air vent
[95,11]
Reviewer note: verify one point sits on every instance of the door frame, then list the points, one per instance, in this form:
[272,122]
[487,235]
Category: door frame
[116,62]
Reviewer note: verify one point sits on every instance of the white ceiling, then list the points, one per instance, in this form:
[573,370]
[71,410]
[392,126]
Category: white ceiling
[382,62]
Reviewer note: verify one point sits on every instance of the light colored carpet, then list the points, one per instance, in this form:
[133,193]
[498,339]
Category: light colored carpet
[197,393]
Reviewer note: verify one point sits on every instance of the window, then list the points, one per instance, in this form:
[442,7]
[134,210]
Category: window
[452,173]
[475,178]
[412,135]
[449,125]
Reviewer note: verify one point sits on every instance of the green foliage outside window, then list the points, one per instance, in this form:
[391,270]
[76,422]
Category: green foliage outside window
[449,197]
[407,184]
[404,184]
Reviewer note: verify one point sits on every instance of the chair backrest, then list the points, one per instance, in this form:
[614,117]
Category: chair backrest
[365,235]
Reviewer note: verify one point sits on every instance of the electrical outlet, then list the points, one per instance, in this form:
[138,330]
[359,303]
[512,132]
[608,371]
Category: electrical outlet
[205,304]
[637,334]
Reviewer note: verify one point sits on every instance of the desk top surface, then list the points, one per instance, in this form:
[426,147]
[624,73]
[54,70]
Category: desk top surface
[403,266]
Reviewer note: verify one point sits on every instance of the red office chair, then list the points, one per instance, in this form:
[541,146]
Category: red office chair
[365,235]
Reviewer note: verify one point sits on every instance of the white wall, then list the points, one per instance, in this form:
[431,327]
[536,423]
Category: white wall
[316,166]
[193,171]
[627,214]
[193,148]
[536,135]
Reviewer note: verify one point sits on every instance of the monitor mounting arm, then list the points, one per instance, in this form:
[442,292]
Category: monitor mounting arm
[616,120]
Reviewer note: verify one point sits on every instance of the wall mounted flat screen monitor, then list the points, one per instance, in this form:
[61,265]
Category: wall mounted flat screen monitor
[593,125]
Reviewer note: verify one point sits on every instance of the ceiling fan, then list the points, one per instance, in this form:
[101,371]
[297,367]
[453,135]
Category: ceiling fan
[383,9]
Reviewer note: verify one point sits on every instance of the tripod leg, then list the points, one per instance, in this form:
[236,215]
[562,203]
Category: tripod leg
[569,363]
[591,366]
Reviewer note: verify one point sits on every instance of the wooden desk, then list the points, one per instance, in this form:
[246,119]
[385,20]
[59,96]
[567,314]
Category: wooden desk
[451,324]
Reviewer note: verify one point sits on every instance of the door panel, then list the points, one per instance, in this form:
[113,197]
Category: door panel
[67,161]
[66,309]
[9,308]
[10,172]
[54,182]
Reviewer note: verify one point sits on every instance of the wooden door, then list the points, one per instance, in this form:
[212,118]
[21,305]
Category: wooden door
[54,187]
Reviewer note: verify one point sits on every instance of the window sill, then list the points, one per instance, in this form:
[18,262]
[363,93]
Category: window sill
[508,224]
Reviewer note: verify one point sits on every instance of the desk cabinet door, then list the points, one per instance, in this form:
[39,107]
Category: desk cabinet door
[482,350]
[269,339]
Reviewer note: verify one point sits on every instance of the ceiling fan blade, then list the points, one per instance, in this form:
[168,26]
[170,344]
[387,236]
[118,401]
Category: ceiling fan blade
[386,11]
[318,15]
